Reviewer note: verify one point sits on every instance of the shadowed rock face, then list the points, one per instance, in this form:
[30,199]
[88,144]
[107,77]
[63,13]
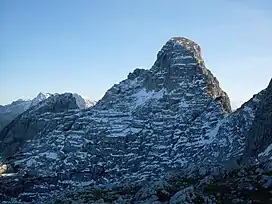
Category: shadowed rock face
[173,116]
[260,134]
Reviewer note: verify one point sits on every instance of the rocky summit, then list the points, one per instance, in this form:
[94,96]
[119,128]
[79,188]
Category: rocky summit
[163,135]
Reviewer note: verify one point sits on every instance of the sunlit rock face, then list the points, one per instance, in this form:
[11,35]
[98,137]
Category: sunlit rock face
[172,116]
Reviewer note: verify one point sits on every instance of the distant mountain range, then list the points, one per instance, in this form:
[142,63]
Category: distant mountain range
[11,111]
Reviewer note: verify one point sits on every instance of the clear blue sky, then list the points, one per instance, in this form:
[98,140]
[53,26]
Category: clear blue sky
[86,46]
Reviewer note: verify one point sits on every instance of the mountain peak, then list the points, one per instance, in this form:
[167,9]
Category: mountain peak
[179,64]
[187,43]
[178,73]
[184,48]
[40,97]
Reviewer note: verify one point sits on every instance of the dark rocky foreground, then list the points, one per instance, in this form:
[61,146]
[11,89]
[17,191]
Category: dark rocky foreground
[164,135]
[247,184]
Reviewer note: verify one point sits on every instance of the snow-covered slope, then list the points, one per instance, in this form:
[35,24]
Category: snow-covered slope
[173,116]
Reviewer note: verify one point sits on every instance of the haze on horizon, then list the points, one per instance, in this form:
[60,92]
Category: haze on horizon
[87,46]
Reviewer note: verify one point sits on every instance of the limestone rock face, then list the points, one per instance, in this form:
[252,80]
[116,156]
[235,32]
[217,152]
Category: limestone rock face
[173,116]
